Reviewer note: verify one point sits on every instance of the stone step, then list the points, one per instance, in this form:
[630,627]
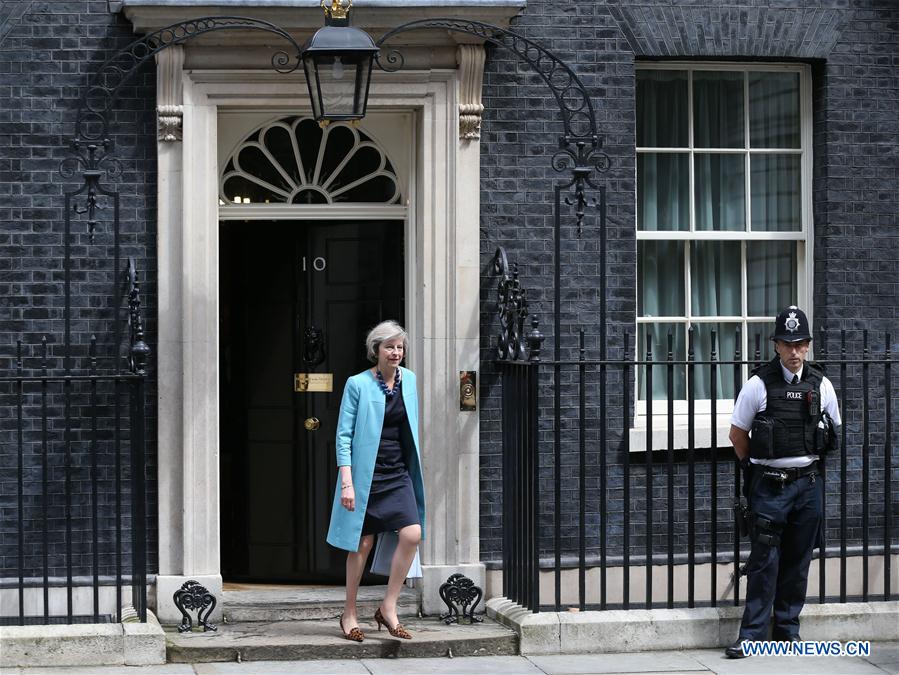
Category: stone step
[305,640]
[242,604]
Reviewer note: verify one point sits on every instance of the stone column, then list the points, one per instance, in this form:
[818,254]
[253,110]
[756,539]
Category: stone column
[452,343]
[188,328]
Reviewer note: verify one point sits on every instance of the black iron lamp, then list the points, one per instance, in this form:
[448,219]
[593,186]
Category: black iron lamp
[338,61]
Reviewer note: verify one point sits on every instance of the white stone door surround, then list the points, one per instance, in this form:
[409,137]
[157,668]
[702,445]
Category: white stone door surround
[442,273]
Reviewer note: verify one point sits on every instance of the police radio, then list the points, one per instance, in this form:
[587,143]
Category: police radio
[813,399]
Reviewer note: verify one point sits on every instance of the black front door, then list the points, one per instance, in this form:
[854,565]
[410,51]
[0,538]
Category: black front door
[297,297]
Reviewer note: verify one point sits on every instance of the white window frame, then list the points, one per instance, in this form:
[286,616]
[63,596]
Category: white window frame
[804,239]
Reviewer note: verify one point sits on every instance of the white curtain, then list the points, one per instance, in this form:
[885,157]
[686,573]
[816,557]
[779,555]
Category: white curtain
[774,110]
[660,269]
[720,178]
[664,197]
[658,333]
[725,343]
[771,276]
[776,206]
[663,178]
[715,278]
[719,205]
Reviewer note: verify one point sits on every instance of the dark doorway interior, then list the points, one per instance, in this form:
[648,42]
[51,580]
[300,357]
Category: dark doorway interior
[279,280]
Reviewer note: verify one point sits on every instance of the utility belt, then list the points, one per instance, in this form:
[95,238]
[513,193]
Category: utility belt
[786,475]
[758,527]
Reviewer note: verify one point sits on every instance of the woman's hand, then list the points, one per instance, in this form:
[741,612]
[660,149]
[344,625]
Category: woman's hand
[348,497]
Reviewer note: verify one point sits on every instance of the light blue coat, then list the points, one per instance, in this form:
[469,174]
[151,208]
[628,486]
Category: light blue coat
[358,437]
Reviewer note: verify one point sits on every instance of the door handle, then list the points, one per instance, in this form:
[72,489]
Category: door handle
[312,424]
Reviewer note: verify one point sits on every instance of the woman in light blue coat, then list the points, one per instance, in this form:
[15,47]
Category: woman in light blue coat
[380,486]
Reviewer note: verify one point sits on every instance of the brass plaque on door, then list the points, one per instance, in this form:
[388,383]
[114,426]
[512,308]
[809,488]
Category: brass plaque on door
[313,382]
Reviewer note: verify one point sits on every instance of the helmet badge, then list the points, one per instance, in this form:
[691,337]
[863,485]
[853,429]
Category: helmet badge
[792,322]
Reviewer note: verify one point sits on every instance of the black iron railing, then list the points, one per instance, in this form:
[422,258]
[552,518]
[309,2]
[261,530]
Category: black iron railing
[78,437]
[581,502]
[521,495]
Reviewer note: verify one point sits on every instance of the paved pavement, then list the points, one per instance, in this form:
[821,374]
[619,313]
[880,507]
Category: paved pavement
[884,658]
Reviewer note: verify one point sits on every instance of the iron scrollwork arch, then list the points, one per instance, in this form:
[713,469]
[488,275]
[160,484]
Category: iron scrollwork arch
[569,92]
[90,149]
[580,145]
[101,92]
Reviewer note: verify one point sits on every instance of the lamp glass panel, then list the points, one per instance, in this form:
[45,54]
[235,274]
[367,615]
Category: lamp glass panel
[311,68]
[342,82]
[338,85]
[363,75]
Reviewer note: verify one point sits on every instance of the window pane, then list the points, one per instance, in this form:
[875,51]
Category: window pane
[775,182]
[660,269]
[658,332]
[720,192]
[715,278]
[718,110]
[663,183]
[238,190]
[662,108]
[774,110]
[770,276]
[725,342]
[759,346]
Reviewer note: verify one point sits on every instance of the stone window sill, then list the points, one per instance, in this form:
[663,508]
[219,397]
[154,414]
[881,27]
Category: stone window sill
[702,433]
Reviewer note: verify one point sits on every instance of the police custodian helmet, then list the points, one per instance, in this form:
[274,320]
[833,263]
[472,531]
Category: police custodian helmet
[791,325]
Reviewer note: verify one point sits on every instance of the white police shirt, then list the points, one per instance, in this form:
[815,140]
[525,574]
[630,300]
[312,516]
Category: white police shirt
[753,399]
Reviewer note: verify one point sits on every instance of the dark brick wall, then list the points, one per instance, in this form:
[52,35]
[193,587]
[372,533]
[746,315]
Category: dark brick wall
[49,49]
[48,52]
[854,50]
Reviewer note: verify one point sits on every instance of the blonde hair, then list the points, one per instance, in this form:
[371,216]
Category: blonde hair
[386,330]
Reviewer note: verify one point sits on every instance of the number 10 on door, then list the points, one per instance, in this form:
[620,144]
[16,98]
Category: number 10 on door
[318,264]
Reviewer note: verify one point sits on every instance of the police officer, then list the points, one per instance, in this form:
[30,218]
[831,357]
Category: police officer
[784,420]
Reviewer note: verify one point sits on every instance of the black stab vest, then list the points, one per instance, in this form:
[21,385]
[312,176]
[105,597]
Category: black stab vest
[793,427]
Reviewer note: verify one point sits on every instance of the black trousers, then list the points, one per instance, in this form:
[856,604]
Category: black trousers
[778,575]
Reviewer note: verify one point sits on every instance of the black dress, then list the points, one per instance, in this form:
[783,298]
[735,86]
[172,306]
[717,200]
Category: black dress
[391,500]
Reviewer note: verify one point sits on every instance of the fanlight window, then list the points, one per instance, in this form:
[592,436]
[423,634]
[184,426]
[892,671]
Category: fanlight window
[294,161]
